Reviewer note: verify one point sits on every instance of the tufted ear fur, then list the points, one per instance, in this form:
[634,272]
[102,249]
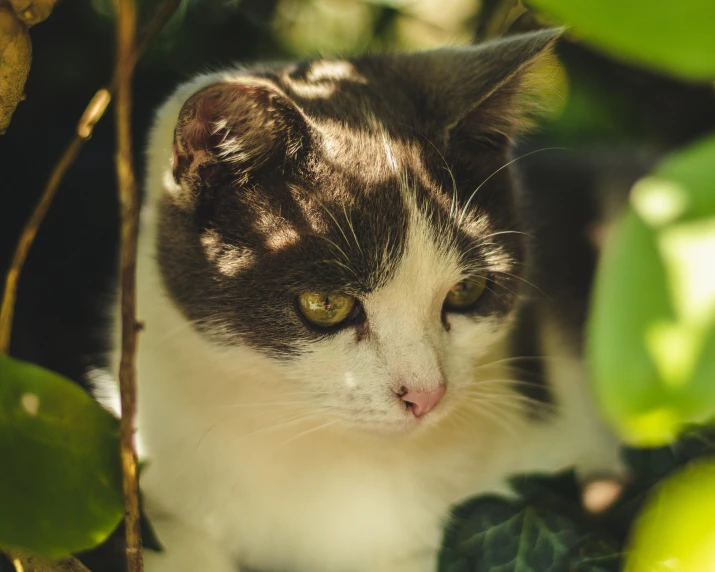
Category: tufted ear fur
[484,92]
[235,130]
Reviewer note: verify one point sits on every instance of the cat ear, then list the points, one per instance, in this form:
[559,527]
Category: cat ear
[236,130]
[487,92]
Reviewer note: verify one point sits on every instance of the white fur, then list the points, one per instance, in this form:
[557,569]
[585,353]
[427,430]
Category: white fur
[314,465]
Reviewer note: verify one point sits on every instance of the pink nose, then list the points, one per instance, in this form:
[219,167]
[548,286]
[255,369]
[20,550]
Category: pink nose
[422,402]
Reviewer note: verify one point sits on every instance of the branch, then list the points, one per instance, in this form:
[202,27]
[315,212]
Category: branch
[129,204]
[92,114]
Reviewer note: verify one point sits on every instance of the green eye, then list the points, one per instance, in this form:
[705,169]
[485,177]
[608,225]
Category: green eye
[465,293]
[325,308]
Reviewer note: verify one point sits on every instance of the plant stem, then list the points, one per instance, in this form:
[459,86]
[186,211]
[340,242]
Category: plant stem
[129,210]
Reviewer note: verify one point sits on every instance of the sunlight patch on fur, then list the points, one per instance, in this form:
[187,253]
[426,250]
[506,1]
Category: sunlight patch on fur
[229,259]
[282,238]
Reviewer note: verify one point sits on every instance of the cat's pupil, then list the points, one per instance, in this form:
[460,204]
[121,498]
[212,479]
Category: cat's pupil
[326,308]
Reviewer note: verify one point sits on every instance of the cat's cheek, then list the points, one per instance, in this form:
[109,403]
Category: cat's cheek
[472,355]
[339,372]
[476,337]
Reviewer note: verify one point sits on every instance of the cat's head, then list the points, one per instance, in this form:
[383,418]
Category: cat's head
[354,222]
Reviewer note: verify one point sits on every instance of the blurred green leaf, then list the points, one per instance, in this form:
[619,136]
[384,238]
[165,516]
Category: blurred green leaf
[630,295]
[60,483]
[310,28]
[685,181]
[651,343]
[671,36]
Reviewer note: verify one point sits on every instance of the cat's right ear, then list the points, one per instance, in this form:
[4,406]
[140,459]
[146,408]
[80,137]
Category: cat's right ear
[235,130]
[486,92]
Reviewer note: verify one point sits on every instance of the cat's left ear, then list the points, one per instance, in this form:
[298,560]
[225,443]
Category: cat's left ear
[488,92]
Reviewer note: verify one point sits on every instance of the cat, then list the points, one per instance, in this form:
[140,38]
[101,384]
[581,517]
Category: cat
[335,279]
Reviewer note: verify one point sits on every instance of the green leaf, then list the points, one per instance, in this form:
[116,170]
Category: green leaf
[547,529]
[560,489]
[631,294]
[595,554]
[491,534]
[672,36]
[60,485]
[651,343]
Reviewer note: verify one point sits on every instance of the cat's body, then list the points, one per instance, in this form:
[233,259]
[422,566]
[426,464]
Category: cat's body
[276,445]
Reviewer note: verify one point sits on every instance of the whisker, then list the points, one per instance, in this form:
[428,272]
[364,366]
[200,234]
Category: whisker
[517,358]
[325,238]
[284,425]
[342,265]
[453,205]
[515,400]
[500,232]
[524,280]
[464,210]
[307,432]
[507,382]
[476,247]
[493,292]
[352,229]
[302,415]
[237,405]
[493,415]
[171,333]
[515,294]
[516,369]
[461,417]
[330,214]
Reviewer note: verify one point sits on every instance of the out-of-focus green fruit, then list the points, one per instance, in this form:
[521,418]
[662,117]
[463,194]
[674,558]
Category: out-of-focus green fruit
[676,530]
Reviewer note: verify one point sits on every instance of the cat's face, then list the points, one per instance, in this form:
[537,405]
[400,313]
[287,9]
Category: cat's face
[353,222]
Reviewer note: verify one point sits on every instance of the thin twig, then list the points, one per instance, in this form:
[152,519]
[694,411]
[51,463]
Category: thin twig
[129,210]
[92,114]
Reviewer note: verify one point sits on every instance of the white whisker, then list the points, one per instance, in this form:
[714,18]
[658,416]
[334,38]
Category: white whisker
[464,210]
[352,229]
[264,403]
[307,432]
